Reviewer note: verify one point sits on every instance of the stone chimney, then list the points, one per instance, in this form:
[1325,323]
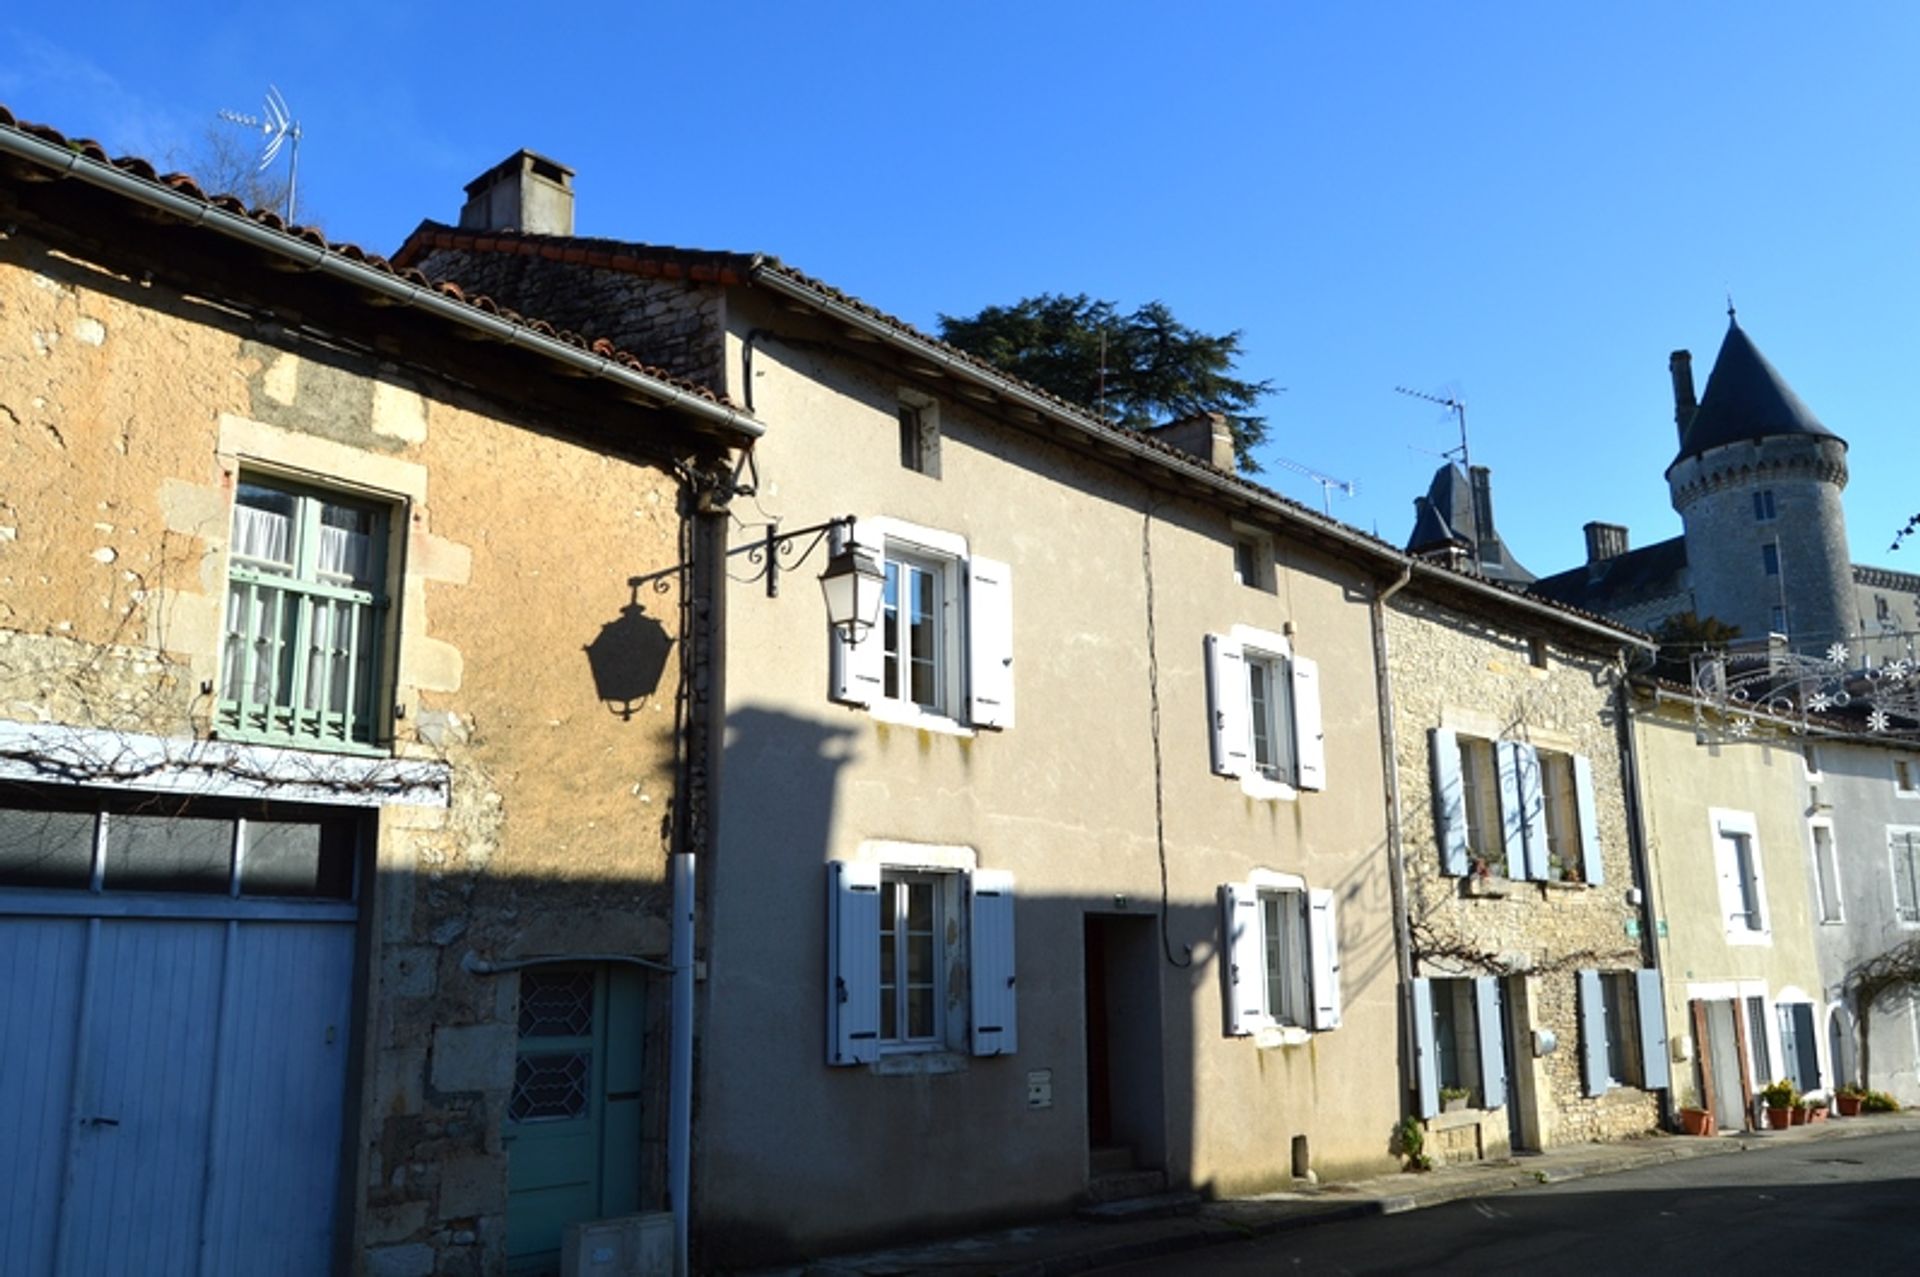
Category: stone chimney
[1204,435]
[1605,542]
[1484,539]
[524,192]
[1680,365]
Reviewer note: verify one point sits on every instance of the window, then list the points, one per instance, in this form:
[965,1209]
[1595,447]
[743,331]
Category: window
[1826,871]
[1763,511]
[1777,619]
[1527,812]
[1770,558]
[306,618]
[1903,846]
[1264,700]
[897,925]
[1283,963]
[1758,1039]
[1799,1047]
[1456,1045]
[1906,780]
[919,434]
[942,655]
[1623,1030]
[1253,560]
[1537,651]
[1810,755]
[1459,1041]
[1742,893]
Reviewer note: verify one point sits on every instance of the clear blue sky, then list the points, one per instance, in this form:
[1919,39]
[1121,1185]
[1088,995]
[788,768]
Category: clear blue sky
[1528,204]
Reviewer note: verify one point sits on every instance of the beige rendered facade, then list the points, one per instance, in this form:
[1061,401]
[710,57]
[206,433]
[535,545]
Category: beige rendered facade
[1727,834]
[1521,878]
[225,482]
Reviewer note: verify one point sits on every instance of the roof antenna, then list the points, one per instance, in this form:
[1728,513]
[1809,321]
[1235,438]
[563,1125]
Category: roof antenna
[277,126]
[1453,403]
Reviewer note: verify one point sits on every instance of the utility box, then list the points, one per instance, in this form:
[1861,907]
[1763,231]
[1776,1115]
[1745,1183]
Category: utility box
[630,1246]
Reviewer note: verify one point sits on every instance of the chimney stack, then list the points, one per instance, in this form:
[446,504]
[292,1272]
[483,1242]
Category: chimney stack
[1605,541]
[524,192]
[1484,539]
[1680,365]
[1204,435]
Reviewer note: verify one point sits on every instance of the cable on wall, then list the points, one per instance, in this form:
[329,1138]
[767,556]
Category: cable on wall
[1153,721]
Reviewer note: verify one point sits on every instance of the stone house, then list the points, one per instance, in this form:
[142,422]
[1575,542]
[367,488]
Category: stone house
[1535,1013]
[341,758]
[1727,847]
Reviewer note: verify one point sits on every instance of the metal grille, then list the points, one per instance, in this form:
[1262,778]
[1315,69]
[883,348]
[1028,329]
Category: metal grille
[548,1088]
[556,1004]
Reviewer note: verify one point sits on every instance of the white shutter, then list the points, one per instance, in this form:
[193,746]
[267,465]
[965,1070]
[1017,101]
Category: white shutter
[993,1013]
[1323,948]
[1227,701]
[1590,860]
[856,670]
[1533,811]
[1492,1038]
[853,962]
[1652,1008]
[1426,1055]
[1449,800]
[1309,737]
[1513,823]
[989,643]
[1245,970]
[1593,1032]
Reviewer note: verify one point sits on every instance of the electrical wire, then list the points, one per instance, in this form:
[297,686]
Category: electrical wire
[1153,720]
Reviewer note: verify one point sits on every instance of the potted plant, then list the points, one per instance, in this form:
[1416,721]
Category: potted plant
[1697,1121]
[1779,1099]
[1878,1102]
[1848,1099]
[1453,1099]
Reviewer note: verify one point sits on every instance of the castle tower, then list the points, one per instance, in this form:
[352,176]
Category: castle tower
[1757,485]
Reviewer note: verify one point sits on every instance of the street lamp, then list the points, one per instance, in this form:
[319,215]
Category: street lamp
[853,584]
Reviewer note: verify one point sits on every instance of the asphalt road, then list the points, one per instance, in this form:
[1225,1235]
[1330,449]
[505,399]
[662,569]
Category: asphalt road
[1836,1206]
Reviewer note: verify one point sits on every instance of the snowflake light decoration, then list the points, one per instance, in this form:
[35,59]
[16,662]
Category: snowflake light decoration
[1770,692]
[1837,655]
[1877,721]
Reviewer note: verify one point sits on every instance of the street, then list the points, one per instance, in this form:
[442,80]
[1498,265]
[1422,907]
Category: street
[1834,1206]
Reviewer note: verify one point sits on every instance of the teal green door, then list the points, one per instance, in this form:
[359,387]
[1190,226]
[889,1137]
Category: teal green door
[572,1132]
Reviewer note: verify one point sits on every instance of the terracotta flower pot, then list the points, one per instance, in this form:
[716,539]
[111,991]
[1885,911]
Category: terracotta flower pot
[1696,1121]
[1799,1117]
[1817,1114]
[1849,1105]
[1779,1119]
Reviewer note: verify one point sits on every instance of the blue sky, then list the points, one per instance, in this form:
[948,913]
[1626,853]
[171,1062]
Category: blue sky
[1525,204]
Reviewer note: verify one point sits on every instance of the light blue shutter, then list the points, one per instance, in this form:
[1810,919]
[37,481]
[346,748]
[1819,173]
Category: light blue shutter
[1533,809]
[1590,859]
[989,643]
[853,962]
[1493,1056]
[1449,800]
[856,670]
[1232,735]
[1309,734]
[1513,824]
[995,1031]
[1593,1032]
[1323,947]
[1245,971]
[1426,1055]
[1652,1008]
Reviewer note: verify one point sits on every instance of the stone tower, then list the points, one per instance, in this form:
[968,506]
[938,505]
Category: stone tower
[1757,485]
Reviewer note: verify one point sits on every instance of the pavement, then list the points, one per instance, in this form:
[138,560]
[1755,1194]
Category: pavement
[1167,1226]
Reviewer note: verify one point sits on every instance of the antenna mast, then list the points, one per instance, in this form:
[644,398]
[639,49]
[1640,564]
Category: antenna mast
[1459,409]
[277,125]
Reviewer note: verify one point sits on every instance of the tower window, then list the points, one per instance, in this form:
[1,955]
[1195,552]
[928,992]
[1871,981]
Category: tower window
[1763,505]
[1770,557]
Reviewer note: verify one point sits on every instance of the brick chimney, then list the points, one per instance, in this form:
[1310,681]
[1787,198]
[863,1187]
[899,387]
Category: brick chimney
[524,192]
[1680,366]
[1204,435]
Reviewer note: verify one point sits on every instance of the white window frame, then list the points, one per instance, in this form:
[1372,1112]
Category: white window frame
[1829,900]
[1311,981]
[1910,835]
[1480,801]
[1253,560]
[1724,826]
[1293,713]
[974,636]
[1566,847]
[1622,1011]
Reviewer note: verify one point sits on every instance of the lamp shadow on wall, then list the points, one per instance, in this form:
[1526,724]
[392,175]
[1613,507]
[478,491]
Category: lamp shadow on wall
[628,658]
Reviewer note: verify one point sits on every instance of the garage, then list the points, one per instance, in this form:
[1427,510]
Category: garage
[175,1033]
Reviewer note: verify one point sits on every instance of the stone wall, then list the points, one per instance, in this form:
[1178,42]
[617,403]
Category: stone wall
[1479,678]
[127,417]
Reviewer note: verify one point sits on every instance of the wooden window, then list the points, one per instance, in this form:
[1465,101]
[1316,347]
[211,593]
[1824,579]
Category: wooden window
[1264,703]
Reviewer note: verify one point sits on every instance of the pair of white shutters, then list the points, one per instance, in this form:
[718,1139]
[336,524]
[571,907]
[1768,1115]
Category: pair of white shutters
[984,631]
[853,963]
[1523,810]
[1232,714]
[1244,926]
[1651,1011]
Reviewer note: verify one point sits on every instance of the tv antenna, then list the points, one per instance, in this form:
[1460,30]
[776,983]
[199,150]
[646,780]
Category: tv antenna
[277,127]
[1454,404]
[1327,482]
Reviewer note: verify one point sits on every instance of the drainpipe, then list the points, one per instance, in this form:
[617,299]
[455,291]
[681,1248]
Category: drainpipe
[1389,756]
[680,1061]
[1637,844]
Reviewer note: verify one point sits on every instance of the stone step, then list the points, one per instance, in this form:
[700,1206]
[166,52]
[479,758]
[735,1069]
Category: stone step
[1111,1159]
[1152,1206]
[1118,1185]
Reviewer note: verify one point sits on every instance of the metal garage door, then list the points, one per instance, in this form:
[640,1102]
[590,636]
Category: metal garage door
[174,1038]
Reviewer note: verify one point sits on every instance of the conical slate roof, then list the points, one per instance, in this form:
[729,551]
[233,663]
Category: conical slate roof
[1746,398]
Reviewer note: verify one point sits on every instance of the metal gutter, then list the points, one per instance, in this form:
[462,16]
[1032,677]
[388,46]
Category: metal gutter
[196,212]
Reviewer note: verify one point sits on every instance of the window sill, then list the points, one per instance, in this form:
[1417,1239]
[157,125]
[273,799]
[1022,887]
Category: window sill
[1261,789]
[1564,884]
[907,714]
[1274,1036]
[1491,887]
[307,744]
[909,1063]
[1759,938]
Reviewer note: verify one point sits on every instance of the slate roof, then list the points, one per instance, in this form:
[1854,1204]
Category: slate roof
[1746,398]
[1447,515]
[184,185]
[1651,572]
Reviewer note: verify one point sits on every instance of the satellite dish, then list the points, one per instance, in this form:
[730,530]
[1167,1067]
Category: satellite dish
[278,127]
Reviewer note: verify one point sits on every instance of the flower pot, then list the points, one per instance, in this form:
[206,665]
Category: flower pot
[1799,1117]
[1696,1121]
[1849,1105]
[1779,1119]
[1454,1105]
[1817,1114]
